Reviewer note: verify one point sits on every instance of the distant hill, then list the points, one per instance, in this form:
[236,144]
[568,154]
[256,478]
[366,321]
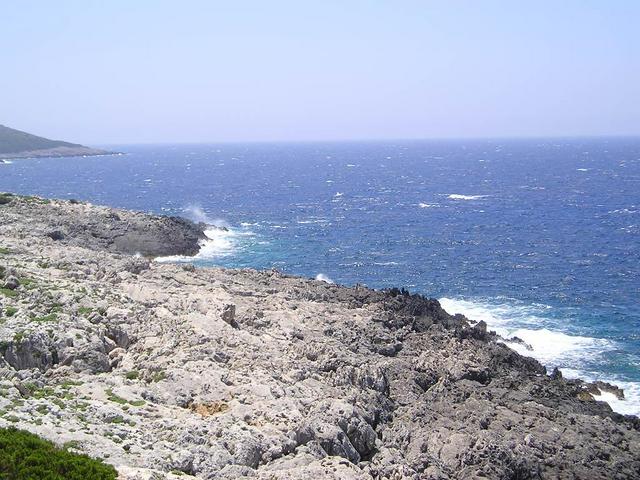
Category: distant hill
[17,144]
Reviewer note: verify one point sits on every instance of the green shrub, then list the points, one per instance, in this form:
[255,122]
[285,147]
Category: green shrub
[24,456]
[10,311]
[5,198]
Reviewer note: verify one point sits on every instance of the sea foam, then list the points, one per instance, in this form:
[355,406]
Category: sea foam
[550,347]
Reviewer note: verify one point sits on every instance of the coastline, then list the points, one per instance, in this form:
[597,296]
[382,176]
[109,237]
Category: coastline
[277,375]
[57,152]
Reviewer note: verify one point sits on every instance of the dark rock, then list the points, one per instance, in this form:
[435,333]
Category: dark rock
[11,282]
[55,235]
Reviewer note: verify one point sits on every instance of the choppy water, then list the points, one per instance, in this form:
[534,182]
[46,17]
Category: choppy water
[540,238]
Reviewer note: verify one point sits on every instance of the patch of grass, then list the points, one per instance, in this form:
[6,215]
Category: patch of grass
[43,392]
[4,251]
[10,311]
[25,456]
[19,336]
[84,310]
[115,398]
[132,375]
[26,282]
[35,200]
[123,401]
[158,376]
[67,384]
[52,317]
[8,292]
[56,308]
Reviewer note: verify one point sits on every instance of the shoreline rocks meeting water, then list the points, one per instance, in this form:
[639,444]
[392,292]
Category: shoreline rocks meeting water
[171,371]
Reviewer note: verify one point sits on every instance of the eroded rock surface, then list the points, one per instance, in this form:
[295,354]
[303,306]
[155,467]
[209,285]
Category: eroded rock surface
[169,372]
[101,228]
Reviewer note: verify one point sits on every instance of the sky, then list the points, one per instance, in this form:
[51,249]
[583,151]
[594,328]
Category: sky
[145,71]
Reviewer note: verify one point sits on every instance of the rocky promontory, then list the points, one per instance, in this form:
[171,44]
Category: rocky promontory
[171,371]
[18,144]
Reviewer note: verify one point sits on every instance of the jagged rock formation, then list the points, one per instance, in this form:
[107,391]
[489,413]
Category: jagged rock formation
[169,371]
[18,144]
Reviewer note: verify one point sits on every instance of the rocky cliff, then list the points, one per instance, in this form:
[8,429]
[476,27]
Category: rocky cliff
[169,371]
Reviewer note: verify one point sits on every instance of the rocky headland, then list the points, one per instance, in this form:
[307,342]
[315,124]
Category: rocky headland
[18,144]
[171,371]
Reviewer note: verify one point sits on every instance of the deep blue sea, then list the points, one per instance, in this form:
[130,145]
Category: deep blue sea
[540,238]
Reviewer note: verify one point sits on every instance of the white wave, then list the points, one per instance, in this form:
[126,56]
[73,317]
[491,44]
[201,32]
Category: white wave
[551,348]
[556,348]
[324,278]
[221,239]
[631,403]
[583,169]
[428,205]
[457,196]
[218,244]
[338,194]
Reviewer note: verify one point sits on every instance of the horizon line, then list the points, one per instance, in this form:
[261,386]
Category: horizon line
[380,140]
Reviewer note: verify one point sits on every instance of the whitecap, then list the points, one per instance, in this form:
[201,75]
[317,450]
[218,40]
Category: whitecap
[312,221]
[457,196]
[338,194]
[428,205]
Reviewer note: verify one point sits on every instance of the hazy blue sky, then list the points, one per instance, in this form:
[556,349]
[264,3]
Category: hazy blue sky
[177,71]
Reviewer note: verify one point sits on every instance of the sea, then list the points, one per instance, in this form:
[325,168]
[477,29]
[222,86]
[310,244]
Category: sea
[538,237]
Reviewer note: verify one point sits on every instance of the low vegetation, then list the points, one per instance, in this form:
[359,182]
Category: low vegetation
[24,456]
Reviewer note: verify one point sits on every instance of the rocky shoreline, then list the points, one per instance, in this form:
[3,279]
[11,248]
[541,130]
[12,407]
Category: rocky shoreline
[169,371]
